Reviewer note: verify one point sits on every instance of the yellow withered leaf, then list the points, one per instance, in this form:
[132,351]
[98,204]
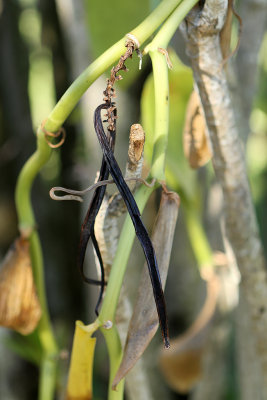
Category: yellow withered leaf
[19,305]
[196,146]
[79,385]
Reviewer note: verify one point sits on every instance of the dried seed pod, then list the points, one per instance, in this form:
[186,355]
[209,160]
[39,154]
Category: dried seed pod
[19,305]
[144,322]
[196,146]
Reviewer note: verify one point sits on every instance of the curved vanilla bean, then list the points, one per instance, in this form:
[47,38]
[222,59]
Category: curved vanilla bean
[140,229]
[89,222]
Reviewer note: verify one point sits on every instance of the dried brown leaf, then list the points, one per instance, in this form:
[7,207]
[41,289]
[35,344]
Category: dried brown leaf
[144,321]
[225,34]
[196,146]
[19,305]
[181,366]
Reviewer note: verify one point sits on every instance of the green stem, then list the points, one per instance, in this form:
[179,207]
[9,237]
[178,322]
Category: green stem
[161,85]
[48,371]
[27,226]
[168,29]
[113,342]
[24,184]
[161,92]
[71,97]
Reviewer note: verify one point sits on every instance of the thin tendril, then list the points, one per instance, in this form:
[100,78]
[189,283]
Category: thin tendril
[76,194]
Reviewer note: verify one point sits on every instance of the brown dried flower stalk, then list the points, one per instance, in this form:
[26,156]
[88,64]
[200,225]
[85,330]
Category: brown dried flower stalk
[109,92]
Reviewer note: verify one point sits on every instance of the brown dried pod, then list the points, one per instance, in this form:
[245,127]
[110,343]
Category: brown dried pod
[196,146]
[19,305]
[144,322]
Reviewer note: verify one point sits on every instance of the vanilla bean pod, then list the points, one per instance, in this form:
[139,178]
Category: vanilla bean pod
[87,230]
[134,213]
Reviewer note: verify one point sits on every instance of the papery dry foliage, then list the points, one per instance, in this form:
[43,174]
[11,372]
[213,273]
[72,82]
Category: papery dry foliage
[19,305]
[196,145]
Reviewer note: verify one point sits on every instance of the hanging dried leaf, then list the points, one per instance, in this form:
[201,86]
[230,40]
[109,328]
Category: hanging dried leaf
[19,305]
[181,366]
[226,32]
[144,322]
[81,366]
[196,146]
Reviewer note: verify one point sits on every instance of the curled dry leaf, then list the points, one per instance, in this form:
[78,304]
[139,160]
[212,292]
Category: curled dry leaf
[181,366]
[19,305]
[225,34]
[144,321]
[196,145]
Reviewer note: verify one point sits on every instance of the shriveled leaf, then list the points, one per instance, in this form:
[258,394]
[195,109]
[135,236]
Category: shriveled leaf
[19,305]
[144,322]
[81,365]
[196,146]
[181,366]
[226,32]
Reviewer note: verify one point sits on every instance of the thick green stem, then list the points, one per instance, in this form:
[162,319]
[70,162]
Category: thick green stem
[48,372]
[71,97]
[24,184]
[161,85]
[168,29]
[161,91]
[113,342]
[27,226]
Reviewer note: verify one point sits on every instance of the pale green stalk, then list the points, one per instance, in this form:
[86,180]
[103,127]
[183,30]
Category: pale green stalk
[161,125]
[161,85]
[27,226]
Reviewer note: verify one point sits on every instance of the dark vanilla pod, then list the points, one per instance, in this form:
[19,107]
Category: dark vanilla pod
[87,230]
[134,213]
